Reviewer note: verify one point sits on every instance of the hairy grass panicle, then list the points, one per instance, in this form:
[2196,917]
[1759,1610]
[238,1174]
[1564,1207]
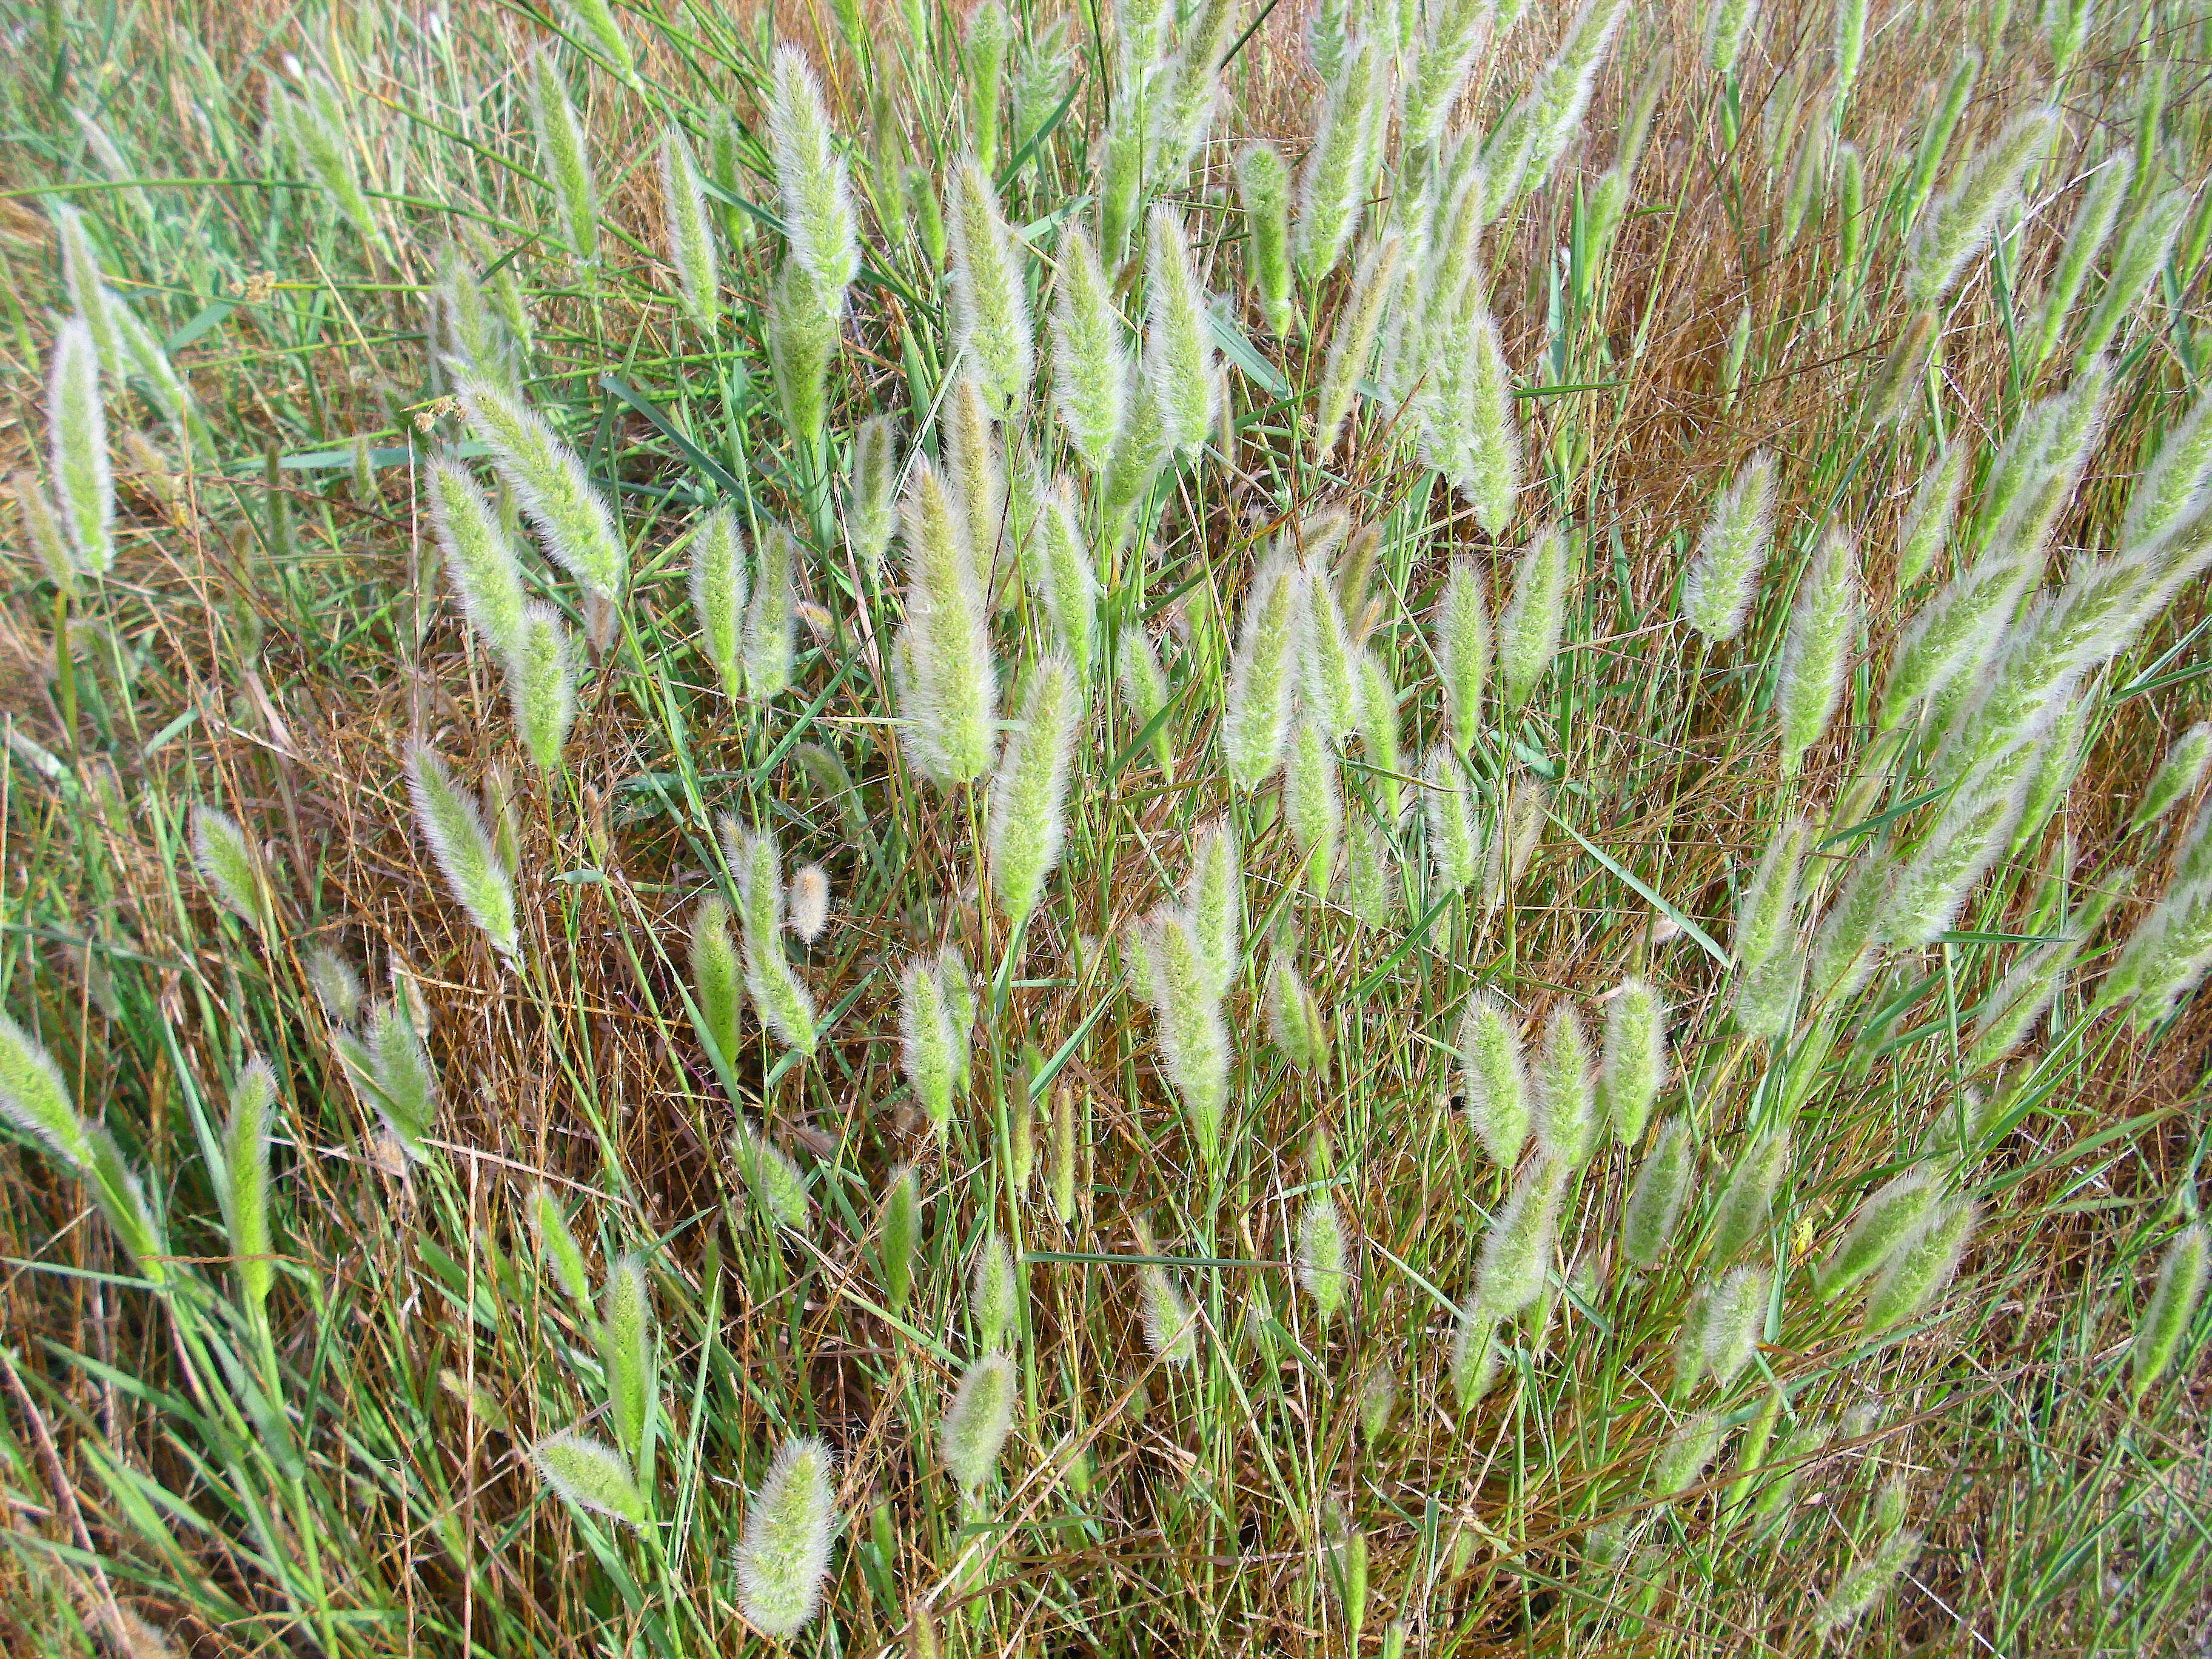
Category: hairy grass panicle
[1921,1264]
[37,1099]
[1294,1017]
[692,250]
[563,154]
[1313,803]
[1746,1204]
[1494,1078]
[1888,1219]
[83,476]
[804,323]
[243,1186]
[1719,588]
[790,1527]
[1090,365]
[774,1181]
[1517,1249]
[1179,368]
[2178,778]
[465,854]
[989,309]
[572,519]
[1324,1272]
[771,608]
[2174,488]
[1333,182]
[1263,182]
[1447,801]
[2143,250]
[1663,1183]
[1027,811]
[1461,644]
[1635,1068]
[2165,1317]
[949,692]
[872,495]
[479,556]
[1214,898]
[812,178]
[1927,530]
[592,1476]
[1255,723]
[2092,228]
[928,1040]
[1476,1354]
[1193,1035]
[1735,1319]
[900,1227]
[557,1247]
[717,978]
[629,1357]
[1528,632]
[228,864]
[541,678]
[1566,1102]
[1817,650]
[1686,1454]
[1957,226]
[1328,679]
[720,585]
[1352,341]
[1855,1594]
[975,1430]
[1170,1324]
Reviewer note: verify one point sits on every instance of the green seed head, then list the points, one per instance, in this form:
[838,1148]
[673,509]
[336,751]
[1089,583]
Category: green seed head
[1516,1251]
[1494,1080]
[1566,1120]
[789,1530]
[592,1476]
[1635,1065]
[2166,1318]
[1655,1202]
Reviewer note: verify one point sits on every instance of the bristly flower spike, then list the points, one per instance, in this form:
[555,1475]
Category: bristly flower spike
[990,313]
[789,1530]
[1028,802]
[463,849]
[1717,590]
[548,479]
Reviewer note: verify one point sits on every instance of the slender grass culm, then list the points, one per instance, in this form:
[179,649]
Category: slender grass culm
[1111,828]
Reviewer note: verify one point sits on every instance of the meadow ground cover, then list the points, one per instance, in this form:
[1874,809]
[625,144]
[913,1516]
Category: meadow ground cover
[1215,827]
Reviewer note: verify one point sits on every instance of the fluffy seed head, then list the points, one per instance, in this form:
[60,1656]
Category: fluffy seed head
[1748,1201]
[1635,1065]
[1956,226]
[691,247]
[1323,1263]
[548,479]
[1494,1078]
[1179,354]
[1447,801]
[902,1235]
[1352,342]
[1170,1324]
[564,155]
[808,903]
[812,178]
[1517,1248]
[994,1295]
[76,436]
[1817,651]
[1566,1120]
[463,848]
[1920,1267]
[226,863]
[1663,1187]
[1333,183]
[872,496]
[1312,801]
[1090,367]
[1260,681]
[1736,1314]
[770,1177]
[990,314]
[719,591]
[479,557]
[1888,1219]
[1529,633]
[2166,1318]
[592,1476]
[949,691]
[926,1034]
[1029,791]
[1462,649]
[1193,1036]
[789,1529]
[1263,182]
[1716,592]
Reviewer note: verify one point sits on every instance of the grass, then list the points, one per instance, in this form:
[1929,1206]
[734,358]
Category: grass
[336,1456]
